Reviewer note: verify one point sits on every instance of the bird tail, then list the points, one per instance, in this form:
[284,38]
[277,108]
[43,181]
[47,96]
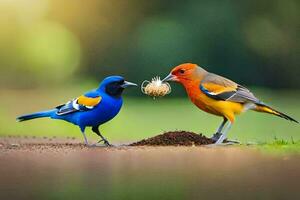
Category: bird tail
[267,109]
[41,114]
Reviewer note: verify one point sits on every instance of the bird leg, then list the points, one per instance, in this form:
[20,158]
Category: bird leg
[224,134]
[95,129]
[218,134]
[85,139]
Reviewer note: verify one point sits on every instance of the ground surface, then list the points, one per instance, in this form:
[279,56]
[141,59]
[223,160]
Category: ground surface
[51,168]
[175,138]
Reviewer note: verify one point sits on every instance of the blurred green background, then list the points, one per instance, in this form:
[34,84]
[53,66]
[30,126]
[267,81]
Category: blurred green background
[52,51]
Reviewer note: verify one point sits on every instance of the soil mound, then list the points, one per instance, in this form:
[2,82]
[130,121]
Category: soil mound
[175,138]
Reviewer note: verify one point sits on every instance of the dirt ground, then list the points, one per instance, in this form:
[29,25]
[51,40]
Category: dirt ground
[171,138]
[175,138]
[52,168]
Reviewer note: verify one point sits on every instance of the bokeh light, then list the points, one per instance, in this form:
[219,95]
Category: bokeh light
[51,51]
[43,41]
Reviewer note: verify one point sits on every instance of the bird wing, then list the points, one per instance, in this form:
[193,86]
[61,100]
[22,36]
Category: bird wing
[83,103]
[220,88]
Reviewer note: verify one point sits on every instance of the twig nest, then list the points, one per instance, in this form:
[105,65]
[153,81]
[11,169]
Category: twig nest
[155,88]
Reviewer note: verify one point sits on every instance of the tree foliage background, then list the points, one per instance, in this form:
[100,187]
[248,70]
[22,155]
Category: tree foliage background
[53,42]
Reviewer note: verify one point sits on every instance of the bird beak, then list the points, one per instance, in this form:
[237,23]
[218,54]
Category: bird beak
[127,84]
[170,77]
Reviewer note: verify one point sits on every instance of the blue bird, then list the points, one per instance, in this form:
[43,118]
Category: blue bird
[91,109]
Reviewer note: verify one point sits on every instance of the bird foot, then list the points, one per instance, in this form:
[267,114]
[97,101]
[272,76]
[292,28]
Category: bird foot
[215,137]
[220,139]
[232,141]
[96,145]
[105,142]
[99,144]
[221,144]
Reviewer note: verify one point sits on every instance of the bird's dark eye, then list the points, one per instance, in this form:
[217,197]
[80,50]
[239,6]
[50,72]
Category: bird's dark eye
[181,71]
[114,88]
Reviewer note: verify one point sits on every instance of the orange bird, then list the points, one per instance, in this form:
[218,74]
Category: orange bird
[218,95]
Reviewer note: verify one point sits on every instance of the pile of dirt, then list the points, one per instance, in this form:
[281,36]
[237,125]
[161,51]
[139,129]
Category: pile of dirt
[175,138]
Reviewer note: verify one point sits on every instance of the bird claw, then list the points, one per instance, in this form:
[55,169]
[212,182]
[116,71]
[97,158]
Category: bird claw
[108,144]
[232,141]
[215,137]
[100,145]
[96,145]
[220,145]
[218,140]
[105,142]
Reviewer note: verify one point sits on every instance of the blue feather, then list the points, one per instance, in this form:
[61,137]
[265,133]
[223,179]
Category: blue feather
[47,113]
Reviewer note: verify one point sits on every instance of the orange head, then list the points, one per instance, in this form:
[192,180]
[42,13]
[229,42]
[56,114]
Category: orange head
[186,73]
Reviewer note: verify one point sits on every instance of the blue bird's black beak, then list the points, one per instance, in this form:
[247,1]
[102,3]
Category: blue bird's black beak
[128,84]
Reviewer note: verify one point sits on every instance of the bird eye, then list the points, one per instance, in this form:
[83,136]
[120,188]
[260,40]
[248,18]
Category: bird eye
[181,71]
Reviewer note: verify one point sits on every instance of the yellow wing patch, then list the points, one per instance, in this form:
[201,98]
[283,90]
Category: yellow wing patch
[89,101]
[217,89]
